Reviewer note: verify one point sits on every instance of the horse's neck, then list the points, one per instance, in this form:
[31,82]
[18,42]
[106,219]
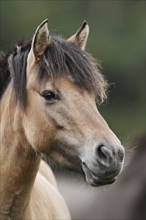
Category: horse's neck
[19,164]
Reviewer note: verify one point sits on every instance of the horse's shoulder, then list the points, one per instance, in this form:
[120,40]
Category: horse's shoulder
[46,201]
[46,171]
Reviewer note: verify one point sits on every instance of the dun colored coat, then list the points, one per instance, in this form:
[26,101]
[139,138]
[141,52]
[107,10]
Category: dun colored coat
[48,91]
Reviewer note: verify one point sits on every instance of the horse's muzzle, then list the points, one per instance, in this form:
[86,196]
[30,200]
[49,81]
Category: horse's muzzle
[105,166]
[95,180]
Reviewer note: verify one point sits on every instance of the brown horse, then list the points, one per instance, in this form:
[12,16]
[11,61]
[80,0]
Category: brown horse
[48,92]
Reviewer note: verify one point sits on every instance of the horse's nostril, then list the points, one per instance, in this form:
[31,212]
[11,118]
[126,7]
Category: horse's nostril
[108,160]
[104,153]
[108,155]
[100,152]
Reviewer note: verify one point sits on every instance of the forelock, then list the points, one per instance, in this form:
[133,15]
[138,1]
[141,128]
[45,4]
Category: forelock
[60,58]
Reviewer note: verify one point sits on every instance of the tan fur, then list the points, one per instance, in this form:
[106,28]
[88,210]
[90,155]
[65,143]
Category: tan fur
[46,171]
[53,205]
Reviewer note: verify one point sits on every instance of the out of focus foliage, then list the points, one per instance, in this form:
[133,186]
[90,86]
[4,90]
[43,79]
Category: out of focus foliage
[117,39]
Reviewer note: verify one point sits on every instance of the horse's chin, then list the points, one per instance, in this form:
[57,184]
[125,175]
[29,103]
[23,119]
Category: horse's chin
[95,180]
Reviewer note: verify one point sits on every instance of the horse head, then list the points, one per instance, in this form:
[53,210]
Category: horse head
[59,114]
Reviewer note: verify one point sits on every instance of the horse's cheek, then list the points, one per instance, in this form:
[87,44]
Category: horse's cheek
[38,133]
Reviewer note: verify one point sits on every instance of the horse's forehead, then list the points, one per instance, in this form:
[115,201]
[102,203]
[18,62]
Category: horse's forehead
[63,82]
[66,85]
[60,83]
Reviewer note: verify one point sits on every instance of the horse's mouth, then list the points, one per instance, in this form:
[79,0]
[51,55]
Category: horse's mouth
[95,180]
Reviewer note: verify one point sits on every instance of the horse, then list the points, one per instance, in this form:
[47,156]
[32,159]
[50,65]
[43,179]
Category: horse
[49,93]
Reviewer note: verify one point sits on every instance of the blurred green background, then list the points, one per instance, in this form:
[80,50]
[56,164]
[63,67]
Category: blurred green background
[117,39]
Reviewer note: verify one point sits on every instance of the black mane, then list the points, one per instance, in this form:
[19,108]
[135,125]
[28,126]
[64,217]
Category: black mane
[61,57]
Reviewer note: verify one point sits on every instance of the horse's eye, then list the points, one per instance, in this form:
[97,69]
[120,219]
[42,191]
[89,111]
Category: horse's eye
[49,95]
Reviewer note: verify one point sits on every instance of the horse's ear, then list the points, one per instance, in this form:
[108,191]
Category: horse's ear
[81,36]
[40,40]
